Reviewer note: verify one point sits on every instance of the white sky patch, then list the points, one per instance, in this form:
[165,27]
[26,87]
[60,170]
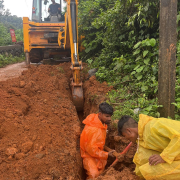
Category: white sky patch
[20,8]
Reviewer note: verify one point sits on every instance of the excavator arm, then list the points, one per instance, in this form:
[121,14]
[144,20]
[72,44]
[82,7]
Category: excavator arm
[71,29]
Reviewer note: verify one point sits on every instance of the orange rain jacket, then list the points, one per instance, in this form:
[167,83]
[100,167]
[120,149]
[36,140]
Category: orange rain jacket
[92,142]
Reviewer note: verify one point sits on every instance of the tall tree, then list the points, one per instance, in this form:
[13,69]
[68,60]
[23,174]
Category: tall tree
[1,7]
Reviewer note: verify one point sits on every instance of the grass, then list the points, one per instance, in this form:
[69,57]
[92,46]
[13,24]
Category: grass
[10,59]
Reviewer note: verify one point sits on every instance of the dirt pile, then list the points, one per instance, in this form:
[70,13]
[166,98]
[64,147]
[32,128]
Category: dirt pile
[112,174]
[94,93]
[39,126]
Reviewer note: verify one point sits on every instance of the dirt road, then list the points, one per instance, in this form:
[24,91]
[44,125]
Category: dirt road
[12,71]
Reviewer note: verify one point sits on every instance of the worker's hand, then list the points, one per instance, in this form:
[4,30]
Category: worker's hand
[155,159]
[110,153]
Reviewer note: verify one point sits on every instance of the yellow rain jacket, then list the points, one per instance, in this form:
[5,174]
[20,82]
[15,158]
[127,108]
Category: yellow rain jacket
[158,136]
[92,142]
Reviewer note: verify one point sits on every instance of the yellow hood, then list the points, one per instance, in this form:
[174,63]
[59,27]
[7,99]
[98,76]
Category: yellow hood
[143,120]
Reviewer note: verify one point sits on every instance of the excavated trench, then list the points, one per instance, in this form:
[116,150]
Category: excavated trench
[40,127]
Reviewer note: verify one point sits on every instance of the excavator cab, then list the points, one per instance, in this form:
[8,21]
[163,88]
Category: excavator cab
[48,11]
[53,33]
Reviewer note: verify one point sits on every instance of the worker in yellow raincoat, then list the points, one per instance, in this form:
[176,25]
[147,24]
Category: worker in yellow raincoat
[92,141]
[158,146]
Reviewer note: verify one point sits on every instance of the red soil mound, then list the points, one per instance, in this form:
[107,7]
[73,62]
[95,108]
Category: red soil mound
[39,126]
[94,93]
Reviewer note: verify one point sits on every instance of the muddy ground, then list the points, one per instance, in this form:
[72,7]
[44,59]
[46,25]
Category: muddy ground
[40,128]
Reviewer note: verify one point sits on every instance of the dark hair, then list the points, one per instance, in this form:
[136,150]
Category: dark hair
[125,122]
[105,108]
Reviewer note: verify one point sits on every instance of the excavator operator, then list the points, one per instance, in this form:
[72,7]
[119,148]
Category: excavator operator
[54,8]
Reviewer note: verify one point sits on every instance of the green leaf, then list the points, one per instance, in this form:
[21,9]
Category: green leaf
[158,115]
[146,61]
[145,112]
[149,108]
[178,18]
[178,99]
[153,78]
[134,72]
[152,42]
[88,49]
[118,66]
[178,29]
[137,45]
[136,67]
[89,61]
[126,78]
[145,53]
[144,88]
[136,52]
[140,69]
[138,58]
[139,77]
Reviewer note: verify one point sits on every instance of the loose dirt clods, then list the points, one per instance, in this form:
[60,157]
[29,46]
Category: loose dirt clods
[40,128]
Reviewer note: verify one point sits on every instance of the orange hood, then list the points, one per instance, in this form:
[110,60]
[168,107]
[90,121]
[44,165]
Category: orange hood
[94,121]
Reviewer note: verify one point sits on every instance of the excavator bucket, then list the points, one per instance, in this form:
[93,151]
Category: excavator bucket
[78,99]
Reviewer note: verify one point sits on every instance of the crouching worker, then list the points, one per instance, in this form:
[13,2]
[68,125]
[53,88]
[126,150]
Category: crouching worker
[158,146]
[92,141]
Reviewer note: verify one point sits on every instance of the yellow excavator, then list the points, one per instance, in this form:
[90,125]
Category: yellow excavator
[52,33]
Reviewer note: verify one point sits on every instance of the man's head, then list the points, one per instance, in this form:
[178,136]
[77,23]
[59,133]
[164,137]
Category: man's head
[105,113]
[128,128]
[53,1]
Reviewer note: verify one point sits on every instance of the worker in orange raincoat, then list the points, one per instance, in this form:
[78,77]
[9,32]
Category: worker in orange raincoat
[92,141]
[158,142]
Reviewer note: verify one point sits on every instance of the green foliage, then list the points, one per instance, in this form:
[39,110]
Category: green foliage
[5,37]
[128,103]
[138,71]
[5,60]
[177,88]
[7,22]
[111,28]
[19,35]
[121,40]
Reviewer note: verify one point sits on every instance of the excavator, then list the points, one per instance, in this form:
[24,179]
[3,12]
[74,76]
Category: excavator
[52,34]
